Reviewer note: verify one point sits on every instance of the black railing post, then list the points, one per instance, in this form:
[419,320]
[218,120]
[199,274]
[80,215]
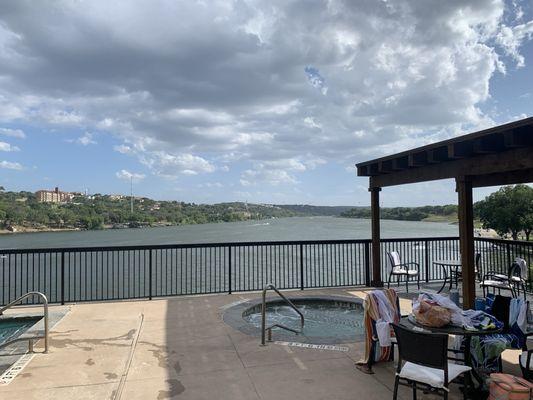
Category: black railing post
[229,269]
[426,254]
[302,284]
[367,264]
[150,276]
[508,251]
[62,277]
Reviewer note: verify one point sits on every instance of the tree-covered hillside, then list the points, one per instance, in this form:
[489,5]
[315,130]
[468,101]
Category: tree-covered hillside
[22,209]
[306,209]
[445,213]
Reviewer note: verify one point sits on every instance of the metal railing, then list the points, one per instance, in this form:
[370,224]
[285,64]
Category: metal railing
[31,338]
[78,274]
[264,329]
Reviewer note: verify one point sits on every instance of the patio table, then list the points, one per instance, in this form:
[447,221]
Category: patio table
[445,264]
[409,322]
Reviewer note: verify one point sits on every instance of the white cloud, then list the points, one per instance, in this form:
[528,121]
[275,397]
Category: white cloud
[123,149]
[8,147]
[511,38]
[15,133]
[311,123]
[11,165]
[210,185]
[84,140]
[170,165]
[127,175]
[265,174]
[278,172]
[283,84]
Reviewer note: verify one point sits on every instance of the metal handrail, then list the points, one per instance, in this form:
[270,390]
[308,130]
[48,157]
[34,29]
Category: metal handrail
[263,315]
[45,314]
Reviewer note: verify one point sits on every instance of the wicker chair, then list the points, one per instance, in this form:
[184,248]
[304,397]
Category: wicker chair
[424,369]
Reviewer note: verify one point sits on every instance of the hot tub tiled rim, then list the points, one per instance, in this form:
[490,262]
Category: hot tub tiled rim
[233,317]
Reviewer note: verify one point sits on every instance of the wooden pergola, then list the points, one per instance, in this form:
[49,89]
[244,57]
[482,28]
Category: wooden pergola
[497,156]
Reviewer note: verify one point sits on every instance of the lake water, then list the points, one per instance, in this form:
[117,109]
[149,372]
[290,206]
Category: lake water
[73,276]
[296,228]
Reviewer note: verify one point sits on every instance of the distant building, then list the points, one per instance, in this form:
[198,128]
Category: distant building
[117,197]
[54,196]
[155,207]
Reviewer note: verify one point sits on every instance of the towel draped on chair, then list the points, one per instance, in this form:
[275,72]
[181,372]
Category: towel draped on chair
[381,308]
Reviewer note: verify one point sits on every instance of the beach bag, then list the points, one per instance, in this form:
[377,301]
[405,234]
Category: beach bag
[509,387]
[431,314]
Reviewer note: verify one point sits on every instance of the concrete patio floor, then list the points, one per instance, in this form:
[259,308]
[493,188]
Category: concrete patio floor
[179,348]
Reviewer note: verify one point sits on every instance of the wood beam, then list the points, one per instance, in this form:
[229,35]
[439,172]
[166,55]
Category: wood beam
[437,155]
[417,159]
[362,170]
[466,240]
[505,178]
[524,128]
[519,137]
[385,166]
[489,144]
[373,169]
[459,150]
[510,160]
[399,164]
[376,238]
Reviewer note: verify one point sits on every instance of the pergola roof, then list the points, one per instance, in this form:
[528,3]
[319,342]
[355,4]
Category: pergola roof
[495,156]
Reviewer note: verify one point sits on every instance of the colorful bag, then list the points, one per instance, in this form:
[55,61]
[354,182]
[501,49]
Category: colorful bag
[509,387]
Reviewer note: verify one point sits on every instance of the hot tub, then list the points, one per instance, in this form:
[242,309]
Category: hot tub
[328,319]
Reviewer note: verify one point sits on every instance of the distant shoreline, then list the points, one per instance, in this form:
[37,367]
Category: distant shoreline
[21,229]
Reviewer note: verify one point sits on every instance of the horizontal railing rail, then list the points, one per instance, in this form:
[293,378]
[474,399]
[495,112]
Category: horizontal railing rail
[77,274]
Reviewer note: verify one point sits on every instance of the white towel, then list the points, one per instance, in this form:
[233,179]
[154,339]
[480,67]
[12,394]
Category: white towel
[386,313]
[524,270]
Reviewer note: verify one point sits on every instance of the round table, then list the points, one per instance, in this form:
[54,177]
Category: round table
[451,264]
[409,322]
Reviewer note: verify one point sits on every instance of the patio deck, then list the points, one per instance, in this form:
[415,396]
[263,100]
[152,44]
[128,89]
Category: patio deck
[179,348]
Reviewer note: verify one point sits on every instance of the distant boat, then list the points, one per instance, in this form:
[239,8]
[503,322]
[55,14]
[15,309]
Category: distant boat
[263,224]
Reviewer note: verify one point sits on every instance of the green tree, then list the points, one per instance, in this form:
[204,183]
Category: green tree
[510,209]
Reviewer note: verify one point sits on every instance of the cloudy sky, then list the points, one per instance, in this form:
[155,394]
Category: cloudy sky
[265,101]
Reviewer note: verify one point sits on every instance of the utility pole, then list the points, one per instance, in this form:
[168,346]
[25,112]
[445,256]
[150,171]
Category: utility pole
[131,195]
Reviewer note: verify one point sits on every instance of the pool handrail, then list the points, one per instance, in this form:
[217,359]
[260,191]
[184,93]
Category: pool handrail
[264,329]
[45,315]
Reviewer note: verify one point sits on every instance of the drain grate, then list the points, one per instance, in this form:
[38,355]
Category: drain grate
[15,369]
[313,346]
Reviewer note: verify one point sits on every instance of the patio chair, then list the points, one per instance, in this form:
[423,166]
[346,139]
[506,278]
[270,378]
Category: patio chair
[513,281]
[424,369]
[399,269]
[520,278]
[374,350]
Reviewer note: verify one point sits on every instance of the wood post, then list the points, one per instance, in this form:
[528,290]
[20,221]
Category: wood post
[466,240]
[376,250]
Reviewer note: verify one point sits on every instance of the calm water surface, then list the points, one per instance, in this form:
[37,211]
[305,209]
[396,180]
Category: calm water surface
[297,228]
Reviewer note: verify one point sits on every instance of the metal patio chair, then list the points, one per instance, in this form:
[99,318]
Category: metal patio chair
[399,269]
[421,369]
[513,281]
